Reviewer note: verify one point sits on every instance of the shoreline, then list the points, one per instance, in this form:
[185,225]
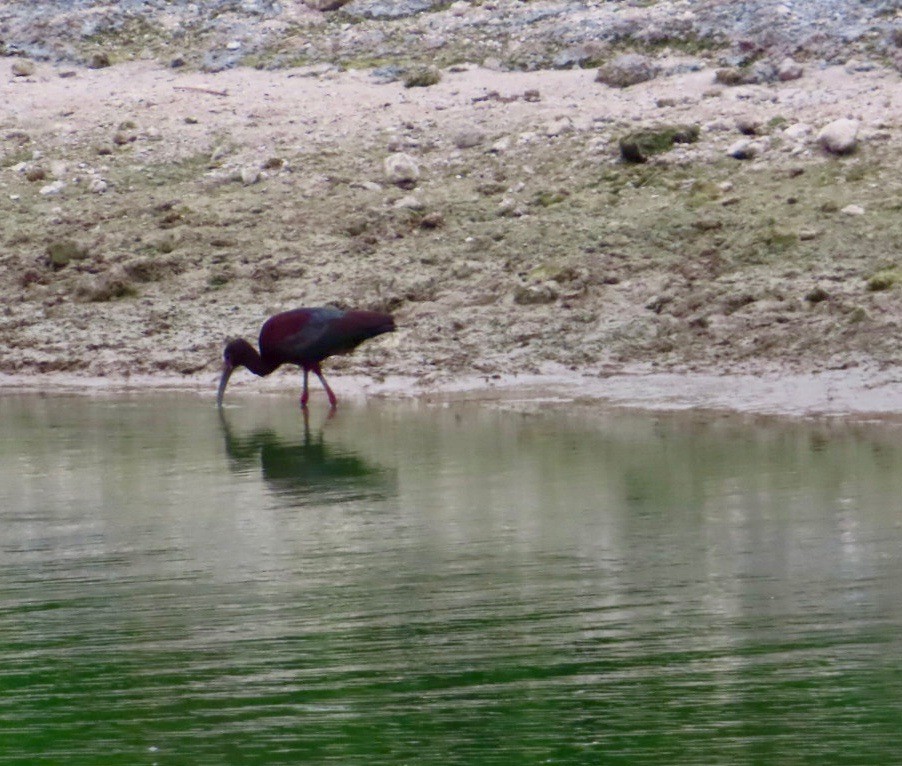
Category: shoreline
[856,394]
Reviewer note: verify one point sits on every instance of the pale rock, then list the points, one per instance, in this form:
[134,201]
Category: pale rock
[58,169]
[22,68]
[627,69]
[598,144]
[789,70]
[97,185]
[468,138]
[797,131]
[839,136]
[410,202]
[53,189]
[250,175]
[401,169]
[530,295]
[743,149]
[852,210]
[501,145]
[559,127]
[509,207]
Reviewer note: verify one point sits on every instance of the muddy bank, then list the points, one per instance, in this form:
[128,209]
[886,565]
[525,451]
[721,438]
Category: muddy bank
[151,212]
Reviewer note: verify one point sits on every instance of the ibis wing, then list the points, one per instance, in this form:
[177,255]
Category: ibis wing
[307,336]
[296,336]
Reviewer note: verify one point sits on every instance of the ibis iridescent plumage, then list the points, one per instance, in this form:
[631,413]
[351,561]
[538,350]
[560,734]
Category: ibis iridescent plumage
[304,337]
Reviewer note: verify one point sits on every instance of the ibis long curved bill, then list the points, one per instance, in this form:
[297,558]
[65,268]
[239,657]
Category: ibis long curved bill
[227,370]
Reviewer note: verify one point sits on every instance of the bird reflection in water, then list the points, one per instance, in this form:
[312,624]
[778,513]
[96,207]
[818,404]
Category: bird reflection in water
[308,469]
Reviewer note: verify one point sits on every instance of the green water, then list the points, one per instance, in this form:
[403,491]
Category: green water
[412,585]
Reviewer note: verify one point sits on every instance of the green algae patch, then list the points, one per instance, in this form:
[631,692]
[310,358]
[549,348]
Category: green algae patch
[422,77]
[62,252]
[884,280]
[637,147]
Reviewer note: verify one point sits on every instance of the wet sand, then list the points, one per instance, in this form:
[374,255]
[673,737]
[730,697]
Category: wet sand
[856,394]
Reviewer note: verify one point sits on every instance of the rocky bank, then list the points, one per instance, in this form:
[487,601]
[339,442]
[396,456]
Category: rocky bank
[543,187]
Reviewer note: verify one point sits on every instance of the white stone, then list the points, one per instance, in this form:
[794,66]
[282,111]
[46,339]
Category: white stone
[797,131]
[789,70]
[743,149]
[468,138]
[509,207]
[401,169]
[501,145]
[409,203]
[559,127]
[52,189]
[839,136]
[250,175]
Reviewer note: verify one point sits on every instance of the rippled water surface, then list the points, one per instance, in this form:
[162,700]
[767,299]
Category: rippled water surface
[412,585]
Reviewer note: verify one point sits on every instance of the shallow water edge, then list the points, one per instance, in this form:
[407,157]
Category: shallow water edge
[860,394]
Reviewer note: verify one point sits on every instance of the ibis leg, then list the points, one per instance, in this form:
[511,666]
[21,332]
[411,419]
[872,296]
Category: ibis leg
[305,394]
[333,401]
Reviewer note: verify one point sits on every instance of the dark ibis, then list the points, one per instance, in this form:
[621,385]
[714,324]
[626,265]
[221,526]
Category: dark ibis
[304,337]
